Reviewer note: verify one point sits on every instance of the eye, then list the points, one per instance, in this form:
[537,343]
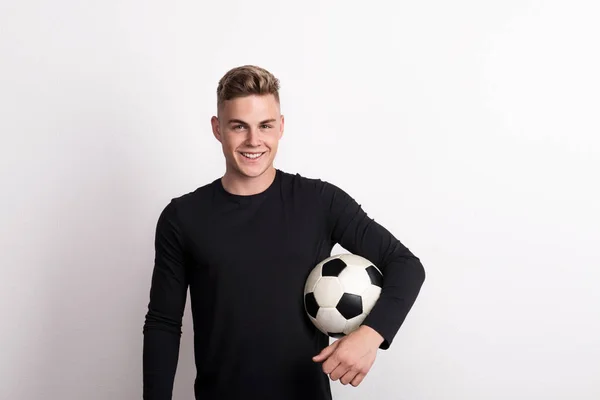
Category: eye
[238,127]
[267,126]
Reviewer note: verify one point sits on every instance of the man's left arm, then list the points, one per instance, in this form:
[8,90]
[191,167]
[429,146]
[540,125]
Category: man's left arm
[403,273]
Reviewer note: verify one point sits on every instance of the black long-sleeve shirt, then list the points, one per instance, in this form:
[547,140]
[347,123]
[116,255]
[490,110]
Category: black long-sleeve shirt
[245,260]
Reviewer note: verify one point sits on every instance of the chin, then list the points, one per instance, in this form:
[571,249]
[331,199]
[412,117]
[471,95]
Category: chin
[252,171]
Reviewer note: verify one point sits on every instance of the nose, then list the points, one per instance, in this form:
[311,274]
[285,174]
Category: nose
[253,137]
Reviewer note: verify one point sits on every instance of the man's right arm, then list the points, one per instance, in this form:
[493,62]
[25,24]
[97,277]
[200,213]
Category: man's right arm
[168,291]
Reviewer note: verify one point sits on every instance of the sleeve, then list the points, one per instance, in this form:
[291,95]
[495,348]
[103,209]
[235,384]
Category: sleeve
[403,273]
[168,291]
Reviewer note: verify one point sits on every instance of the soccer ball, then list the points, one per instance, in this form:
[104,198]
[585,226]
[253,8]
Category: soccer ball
[340,292]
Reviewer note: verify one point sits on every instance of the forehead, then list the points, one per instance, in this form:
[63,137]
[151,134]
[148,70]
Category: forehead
[254,107]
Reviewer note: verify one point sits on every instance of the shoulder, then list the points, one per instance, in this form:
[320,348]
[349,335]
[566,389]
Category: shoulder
[181,206]
[322,190]
[306,183]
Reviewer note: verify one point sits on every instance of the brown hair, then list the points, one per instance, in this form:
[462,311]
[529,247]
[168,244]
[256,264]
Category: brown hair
[244,81]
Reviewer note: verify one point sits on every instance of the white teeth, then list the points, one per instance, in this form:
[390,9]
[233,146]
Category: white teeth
[252,155]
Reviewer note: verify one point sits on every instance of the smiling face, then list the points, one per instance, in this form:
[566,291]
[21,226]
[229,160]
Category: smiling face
[249,129]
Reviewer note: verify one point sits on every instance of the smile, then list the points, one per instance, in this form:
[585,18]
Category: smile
[252,156]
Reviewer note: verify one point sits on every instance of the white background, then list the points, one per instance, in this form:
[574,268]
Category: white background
[468,128]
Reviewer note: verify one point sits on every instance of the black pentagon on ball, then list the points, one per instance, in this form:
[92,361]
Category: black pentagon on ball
[311,304]
[333,267]
[336,335]
[350,305]
[375,275]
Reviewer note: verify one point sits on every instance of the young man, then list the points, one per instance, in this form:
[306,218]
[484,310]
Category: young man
[244,244]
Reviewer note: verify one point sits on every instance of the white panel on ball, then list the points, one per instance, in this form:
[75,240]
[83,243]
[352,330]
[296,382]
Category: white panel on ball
[328,291]
[312,279]
[354,259]
[316,324]
[354,323]
[354,279]
[369,298]
[330,320]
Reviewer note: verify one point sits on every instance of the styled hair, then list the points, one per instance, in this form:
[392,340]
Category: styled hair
[244,81]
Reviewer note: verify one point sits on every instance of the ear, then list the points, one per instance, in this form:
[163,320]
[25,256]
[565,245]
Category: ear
[216,129]
[281,127]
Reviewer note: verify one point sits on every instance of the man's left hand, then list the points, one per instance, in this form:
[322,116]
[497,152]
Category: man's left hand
[350,358]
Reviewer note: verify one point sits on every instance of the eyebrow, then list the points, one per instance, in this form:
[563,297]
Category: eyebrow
[239,121]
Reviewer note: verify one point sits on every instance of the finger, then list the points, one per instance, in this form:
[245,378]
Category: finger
[357,380]
[331,364]
[338,372]
[326,352]
[348,377]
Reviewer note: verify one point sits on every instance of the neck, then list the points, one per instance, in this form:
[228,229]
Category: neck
[238,184]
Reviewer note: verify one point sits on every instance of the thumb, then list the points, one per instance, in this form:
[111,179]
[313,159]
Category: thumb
[326,352]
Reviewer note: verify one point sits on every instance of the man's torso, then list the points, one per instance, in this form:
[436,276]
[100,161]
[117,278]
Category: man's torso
[247,261]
